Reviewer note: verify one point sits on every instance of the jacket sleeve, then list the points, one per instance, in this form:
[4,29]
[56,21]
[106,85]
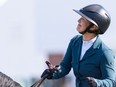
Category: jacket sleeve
[107,70]
[65,64]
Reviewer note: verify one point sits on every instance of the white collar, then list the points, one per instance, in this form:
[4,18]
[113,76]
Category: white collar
[90,41]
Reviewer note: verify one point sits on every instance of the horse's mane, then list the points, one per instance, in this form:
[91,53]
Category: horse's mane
[6,81]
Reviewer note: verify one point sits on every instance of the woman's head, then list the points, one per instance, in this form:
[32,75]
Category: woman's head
[85,26]
[97,15]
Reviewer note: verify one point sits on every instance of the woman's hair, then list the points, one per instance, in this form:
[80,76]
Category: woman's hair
[6,81]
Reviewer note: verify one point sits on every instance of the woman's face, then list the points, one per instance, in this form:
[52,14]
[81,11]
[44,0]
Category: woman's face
[82,24]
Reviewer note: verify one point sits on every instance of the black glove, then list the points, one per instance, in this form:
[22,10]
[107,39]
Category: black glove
[91,81]
[48,73]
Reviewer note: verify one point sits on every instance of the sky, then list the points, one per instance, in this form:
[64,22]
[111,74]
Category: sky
[57,22]
[31,29]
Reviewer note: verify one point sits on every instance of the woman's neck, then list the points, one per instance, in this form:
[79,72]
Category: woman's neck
[88,36]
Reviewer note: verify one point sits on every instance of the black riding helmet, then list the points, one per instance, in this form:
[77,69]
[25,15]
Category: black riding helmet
[97,15]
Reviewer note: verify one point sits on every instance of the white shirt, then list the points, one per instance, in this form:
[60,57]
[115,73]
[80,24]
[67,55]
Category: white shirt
[86,45]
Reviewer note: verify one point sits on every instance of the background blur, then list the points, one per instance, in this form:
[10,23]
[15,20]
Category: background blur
[33,31]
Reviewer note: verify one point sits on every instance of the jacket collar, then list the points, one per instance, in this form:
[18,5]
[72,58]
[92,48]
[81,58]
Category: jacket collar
[93,48]
[97,43]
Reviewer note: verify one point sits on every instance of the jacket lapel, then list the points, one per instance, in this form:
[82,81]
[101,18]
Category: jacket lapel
[77,50]
[92,49]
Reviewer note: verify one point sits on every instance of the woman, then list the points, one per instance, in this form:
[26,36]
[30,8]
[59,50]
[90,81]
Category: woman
[92,61]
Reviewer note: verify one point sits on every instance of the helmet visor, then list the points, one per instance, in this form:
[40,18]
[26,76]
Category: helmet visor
[83,15]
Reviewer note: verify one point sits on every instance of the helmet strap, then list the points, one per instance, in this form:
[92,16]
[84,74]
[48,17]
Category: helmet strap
[94,31]
[91,31]
[87,29]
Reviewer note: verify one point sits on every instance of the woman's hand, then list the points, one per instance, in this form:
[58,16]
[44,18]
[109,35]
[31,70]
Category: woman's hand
[91,82]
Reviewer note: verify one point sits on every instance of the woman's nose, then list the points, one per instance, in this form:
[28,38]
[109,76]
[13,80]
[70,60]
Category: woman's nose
[79,20]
